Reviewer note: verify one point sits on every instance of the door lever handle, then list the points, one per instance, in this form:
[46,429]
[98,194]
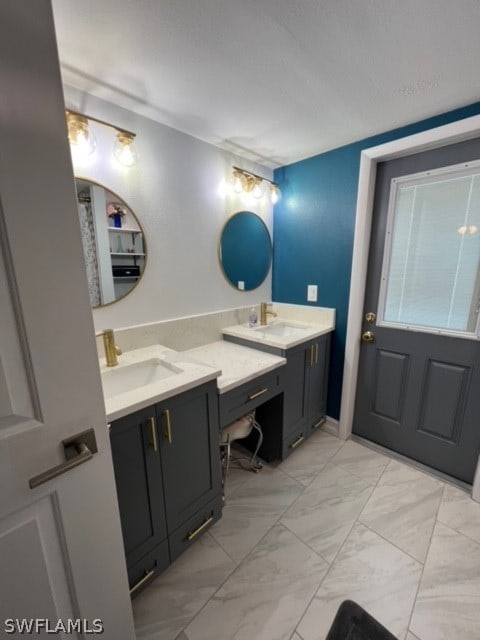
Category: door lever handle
[78,450]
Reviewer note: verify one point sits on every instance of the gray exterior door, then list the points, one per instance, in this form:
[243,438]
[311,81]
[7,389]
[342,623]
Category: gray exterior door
[418,390]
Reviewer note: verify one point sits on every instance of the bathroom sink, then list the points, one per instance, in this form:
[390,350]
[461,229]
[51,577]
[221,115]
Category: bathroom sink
[283,330]
[134,376]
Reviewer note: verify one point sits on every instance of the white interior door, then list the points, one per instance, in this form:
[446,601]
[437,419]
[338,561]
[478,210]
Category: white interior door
[61,552]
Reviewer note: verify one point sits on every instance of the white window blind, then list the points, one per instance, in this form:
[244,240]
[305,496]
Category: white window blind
[432,277]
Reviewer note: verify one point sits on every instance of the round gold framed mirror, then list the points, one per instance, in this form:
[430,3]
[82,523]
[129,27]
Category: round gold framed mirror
[245,250]
[113,240]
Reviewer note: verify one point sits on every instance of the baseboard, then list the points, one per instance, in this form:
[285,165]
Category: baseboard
[331,426]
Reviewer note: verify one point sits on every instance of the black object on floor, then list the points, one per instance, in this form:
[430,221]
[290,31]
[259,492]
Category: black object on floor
[354,623]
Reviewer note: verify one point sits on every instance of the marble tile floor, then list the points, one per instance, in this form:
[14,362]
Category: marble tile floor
[336,520]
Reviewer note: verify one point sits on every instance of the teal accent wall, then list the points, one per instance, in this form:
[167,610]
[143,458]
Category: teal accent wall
[314,226]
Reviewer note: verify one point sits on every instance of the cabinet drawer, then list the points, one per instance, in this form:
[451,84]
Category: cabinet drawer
[144,571]
[237,402]
[189,532]
[293,441]
[316,424]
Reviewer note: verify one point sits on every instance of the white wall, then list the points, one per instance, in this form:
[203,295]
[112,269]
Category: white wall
[174,192]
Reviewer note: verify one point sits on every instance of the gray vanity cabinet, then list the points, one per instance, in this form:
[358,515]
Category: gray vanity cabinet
[295,377]
[190,456]
[167,471]
[138,476]
[317,364]
[305,383]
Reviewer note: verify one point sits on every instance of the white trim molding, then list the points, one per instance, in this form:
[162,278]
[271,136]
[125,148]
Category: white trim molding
[331,426]
[452,133]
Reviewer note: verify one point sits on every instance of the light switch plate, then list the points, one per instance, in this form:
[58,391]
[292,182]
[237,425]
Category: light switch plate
[241,285]
[312,293]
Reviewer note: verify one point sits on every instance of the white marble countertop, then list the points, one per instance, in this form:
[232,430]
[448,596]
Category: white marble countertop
[231,364]
[238,364]
[296,331]
[186,374]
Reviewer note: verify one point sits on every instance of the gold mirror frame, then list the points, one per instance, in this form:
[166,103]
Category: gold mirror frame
[219,250]
[112,195]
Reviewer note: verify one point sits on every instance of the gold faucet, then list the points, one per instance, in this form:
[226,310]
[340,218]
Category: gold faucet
[264,311]
[111,349]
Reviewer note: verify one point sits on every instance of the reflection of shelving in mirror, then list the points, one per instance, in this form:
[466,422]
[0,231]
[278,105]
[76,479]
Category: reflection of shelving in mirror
[123,230]
[115,256]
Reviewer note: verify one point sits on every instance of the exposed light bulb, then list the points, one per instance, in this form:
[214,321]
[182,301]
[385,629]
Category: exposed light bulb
[462,230]
[237,182]
[81,137]
[472,229]
[257,190]
[274,193]
[124,149]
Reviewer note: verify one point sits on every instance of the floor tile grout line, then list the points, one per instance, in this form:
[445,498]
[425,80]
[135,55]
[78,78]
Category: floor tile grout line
[450,528]
[219,587]
[213,594]
[380,535]
[313,477]
[413,464]
[466,535]
[327,461]
[356,475]
[370,528]
[461,533]
[327,573]
[424,564]
[222,548]
[277,522]
[304,542]
[303,489]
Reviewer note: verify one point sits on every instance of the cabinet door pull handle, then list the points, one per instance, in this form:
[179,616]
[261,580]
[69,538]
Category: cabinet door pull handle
[258,394]
[168,430]
[193,534]
[316,352]
[146,577]
[297,441]
[153,433]
[319,423]
[311,354]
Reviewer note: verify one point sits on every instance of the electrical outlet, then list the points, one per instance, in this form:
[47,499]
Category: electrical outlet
[312,293]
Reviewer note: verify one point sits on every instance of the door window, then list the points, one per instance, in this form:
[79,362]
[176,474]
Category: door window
[430,275]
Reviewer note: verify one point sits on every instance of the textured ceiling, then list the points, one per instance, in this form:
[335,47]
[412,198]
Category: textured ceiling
[276,80]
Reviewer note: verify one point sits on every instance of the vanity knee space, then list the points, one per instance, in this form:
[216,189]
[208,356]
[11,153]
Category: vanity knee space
[303,382]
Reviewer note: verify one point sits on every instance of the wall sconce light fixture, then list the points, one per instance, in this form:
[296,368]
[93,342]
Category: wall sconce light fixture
[80,134]
[82,138]
[254,185]
[471,230]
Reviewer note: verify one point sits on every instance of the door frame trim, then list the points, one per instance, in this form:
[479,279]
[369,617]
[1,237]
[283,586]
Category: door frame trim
[452,133]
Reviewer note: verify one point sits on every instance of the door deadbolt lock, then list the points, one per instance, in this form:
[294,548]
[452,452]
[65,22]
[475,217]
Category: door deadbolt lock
[368,336]
[370,317]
